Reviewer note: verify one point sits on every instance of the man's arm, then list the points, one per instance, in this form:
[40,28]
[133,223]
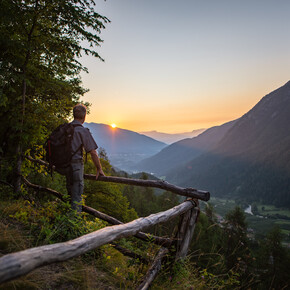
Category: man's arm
[97,163]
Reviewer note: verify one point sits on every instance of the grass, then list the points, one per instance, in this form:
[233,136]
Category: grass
[94,270]
[272,210]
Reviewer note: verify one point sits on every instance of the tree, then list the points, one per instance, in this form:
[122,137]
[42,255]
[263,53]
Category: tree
[207,242]
[236,242]
[41,42]
[273,261]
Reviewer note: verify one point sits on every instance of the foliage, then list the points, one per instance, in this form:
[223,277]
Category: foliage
[207,245]
[186,275]
[54,221]
[47,220]
[41,42]
[107,197]
[273,260]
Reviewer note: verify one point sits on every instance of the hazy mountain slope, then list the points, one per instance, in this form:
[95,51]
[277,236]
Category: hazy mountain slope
[172,138]
[121,141]
[253,158]
[184,150]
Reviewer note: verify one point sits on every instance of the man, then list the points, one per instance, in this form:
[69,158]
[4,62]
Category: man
[82,138]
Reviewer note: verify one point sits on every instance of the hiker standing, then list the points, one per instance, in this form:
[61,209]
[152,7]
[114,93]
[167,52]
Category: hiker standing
[81,139]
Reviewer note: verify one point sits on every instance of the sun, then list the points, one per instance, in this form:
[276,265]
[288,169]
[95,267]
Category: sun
[113,125]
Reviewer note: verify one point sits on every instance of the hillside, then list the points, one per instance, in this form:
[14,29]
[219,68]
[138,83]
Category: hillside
[253,158]
[179,153]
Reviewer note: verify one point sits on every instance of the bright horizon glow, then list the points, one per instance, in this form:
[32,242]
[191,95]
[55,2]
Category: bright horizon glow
[195,64]
[113,125]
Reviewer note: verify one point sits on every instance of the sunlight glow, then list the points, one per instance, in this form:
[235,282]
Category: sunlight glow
[113,125]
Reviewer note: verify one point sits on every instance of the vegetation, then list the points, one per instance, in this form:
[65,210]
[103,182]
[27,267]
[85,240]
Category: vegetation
[264,217]
[41,42]
[221,256]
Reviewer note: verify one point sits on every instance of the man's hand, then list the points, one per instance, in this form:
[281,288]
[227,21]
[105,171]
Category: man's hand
[99,172]
[97,163]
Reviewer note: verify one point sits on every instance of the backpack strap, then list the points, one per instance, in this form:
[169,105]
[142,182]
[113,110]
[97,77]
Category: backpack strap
[80,147]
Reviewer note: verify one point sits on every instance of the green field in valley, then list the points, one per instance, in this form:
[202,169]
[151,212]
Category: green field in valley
[268,216]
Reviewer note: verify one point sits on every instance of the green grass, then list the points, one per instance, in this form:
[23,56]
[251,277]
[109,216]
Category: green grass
[272,210]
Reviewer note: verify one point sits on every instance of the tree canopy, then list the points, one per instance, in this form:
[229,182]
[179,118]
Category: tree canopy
[41,42]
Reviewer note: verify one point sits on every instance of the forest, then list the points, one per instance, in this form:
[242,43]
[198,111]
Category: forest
[41,44]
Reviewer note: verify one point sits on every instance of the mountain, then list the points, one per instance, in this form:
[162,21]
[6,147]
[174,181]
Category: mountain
[171,138]
[252,160]
[180,152]
[124,147]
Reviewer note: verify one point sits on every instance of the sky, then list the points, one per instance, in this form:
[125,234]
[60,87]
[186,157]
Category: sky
[176,66]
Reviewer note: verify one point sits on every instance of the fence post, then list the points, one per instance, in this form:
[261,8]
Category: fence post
[185,231]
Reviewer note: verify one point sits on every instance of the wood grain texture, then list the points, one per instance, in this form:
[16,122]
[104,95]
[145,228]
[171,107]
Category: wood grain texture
[186,229]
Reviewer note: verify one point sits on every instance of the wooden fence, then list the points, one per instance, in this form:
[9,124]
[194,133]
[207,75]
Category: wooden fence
[20,263]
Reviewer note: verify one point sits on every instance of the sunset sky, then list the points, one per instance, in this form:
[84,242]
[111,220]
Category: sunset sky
[176,66]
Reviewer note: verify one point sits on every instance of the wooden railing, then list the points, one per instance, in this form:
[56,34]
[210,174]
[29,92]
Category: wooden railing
[20,263]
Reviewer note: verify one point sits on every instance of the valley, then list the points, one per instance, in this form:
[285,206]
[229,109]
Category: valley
[260,222]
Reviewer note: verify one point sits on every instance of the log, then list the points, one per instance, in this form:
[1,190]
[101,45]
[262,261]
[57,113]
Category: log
[130,254]
[153,270]
[185,233]
[20,263]
[166,242]
[188,192]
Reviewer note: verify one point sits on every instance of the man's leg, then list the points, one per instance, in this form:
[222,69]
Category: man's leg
[67,172]
[77,187]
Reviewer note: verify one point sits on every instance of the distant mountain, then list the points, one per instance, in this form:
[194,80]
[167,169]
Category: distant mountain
[184,150]
[124,147]
[252,160]
[171,138]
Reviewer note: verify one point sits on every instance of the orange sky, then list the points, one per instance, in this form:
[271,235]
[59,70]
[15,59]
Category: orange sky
[206,67]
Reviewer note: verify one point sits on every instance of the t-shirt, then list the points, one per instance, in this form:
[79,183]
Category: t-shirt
[82,136]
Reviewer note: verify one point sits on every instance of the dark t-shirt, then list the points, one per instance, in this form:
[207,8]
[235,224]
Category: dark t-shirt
[82,136]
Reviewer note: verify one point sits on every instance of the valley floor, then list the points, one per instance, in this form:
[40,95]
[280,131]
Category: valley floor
[261,218]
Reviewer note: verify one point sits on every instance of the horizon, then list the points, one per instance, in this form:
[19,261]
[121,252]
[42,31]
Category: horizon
[115,126]
[208,66]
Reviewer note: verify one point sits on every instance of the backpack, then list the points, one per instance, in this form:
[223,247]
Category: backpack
[58,146]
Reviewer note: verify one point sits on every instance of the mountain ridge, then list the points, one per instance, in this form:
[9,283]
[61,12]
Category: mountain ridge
[124,147]
[178,152]
[252,159]
[170,138]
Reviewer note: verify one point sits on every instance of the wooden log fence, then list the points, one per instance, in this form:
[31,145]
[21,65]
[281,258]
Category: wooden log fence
[188,192]
[166,242]
[20,263]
